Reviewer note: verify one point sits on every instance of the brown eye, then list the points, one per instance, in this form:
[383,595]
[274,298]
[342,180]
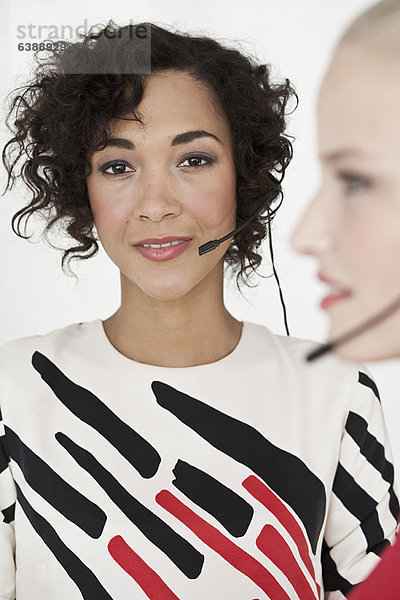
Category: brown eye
[117,168]
[197,160]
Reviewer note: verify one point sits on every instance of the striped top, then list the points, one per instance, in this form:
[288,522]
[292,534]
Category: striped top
[256,476]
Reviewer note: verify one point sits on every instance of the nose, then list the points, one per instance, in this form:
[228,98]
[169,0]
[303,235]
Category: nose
[314,233]
[156,198]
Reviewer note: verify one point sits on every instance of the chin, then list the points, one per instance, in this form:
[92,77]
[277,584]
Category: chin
[359,353]
[163,295]
[379,343]
[166,293]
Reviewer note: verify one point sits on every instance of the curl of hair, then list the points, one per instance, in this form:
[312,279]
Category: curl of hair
[62,115]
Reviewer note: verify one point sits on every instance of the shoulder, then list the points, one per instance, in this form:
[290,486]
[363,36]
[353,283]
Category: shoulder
[17,352]
[294,350]
[330,374]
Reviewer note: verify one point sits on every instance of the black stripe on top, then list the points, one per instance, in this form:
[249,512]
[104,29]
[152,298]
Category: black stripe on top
[362,506]
[9,513]
[367,381]
[4,458]
[82,576]
[332,579]
[225,505]
[374,452]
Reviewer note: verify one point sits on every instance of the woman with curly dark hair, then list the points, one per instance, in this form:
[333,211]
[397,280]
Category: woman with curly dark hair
[172,451]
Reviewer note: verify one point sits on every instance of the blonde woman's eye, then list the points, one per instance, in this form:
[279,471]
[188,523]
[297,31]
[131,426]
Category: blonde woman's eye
[116,167]
[197,160]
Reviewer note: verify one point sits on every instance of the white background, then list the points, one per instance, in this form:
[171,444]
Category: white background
[296,37]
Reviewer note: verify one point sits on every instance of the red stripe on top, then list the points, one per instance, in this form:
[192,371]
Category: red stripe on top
[272,544]
[151,583]
[234,555]
[271,501]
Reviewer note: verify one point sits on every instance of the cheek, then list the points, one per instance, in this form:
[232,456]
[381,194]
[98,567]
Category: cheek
[374,256]
[107,212]
[216,202]
[386,265]
[216,214]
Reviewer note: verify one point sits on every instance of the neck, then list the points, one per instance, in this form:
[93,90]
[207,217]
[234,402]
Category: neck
[191,330]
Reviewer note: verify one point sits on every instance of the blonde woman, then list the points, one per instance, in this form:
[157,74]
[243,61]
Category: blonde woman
[352,226]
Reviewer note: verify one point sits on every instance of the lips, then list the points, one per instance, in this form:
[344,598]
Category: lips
[175,248]
[337,293]
[164,240]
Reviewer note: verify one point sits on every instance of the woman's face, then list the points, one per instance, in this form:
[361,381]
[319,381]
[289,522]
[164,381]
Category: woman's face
[352,226]
[174,177]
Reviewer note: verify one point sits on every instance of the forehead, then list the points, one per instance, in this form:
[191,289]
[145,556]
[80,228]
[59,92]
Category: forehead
[359,101]
[174,100]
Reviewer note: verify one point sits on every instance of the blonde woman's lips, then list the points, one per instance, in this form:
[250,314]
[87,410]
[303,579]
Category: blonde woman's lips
[337,292]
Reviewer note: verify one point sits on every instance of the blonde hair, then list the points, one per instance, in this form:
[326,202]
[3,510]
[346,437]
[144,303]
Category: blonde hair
[378,26]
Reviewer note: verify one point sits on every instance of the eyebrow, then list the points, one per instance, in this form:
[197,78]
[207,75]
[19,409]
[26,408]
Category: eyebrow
[344,153]
[188,136]
[181,138]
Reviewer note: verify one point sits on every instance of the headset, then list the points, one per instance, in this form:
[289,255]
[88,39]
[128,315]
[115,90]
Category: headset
[212,244]
[352,333]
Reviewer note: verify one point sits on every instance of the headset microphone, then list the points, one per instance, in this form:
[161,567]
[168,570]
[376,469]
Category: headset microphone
[375,320]
[212,244]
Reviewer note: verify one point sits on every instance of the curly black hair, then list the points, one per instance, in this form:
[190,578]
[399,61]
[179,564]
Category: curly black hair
[60,115]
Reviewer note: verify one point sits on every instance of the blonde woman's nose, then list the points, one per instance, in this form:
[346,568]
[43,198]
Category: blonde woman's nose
[313,234]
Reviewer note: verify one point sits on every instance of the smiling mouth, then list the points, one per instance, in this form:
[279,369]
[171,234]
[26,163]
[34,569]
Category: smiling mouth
[336,295]
[336,292]
[163,252]
[162,245]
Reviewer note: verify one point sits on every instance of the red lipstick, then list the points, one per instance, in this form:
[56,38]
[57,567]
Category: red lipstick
[338,293]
